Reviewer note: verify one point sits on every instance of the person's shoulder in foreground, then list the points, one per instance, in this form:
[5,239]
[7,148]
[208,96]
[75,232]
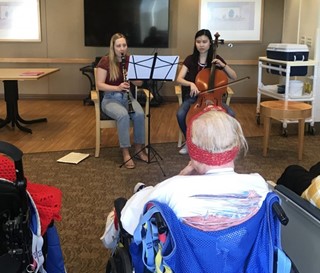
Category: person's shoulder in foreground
[312,193]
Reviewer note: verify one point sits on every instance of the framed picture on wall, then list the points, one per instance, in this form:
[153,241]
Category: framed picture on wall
[20,21]
[235,20]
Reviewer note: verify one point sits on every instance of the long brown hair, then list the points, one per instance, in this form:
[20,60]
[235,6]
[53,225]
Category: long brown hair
[113,61]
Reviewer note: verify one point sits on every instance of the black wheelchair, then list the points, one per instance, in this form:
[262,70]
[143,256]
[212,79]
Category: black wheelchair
[29,240]
[122,260]
[15,234]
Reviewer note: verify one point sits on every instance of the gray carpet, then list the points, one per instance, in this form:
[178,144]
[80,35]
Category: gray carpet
[90,187]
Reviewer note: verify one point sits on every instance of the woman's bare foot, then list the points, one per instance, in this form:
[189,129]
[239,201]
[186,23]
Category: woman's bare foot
[143,156]
[129,164]
[140,152]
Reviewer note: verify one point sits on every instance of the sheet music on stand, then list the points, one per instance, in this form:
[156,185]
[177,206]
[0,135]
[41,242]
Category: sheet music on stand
[152,67]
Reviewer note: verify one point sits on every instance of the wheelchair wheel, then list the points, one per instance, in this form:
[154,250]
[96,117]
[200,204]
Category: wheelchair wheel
[119,262]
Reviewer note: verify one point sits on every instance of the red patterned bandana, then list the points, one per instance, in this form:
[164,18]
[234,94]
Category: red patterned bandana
[203,156]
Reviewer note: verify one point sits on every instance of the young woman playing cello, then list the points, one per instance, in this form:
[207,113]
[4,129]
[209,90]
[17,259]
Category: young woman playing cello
[201,58]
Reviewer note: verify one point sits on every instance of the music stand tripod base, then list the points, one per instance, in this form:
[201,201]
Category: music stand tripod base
[150,158]
[152,68]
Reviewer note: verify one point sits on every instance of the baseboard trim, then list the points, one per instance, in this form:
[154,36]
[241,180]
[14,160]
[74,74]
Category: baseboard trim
[51,96]
[233,100]
[84,97]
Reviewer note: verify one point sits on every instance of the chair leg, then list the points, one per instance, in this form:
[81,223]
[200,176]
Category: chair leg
[146,130]
[300,138]
[98,140]
[180,139]
[229,95]
[228,99]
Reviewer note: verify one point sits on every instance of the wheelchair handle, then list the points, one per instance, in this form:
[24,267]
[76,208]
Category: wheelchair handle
[16,154]
[161,224]
[10,150]
[278,210]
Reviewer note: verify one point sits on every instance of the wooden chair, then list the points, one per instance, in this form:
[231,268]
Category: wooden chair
[103,121]
[178,93]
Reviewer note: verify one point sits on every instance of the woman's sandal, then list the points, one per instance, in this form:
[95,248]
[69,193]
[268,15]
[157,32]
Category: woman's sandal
[130,164]
[142,156]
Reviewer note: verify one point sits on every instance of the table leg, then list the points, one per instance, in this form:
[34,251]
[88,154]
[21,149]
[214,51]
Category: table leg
[30,121]
[13,116]
[4,122]
[9,114]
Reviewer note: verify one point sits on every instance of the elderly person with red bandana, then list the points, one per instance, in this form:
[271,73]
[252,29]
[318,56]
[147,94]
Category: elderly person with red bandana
[207,194]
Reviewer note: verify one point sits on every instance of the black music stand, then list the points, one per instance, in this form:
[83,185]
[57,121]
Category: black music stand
[156,68]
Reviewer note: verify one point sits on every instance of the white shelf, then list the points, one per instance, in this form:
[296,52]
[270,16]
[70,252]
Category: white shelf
[288,63]
[271,90]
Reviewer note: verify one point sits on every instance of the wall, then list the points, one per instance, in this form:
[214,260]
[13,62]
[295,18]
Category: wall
[302,19]
[291,21]
[300,23]
[63,37]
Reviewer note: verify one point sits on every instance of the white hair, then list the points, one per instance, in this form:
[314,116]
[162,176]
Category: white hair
[216,132]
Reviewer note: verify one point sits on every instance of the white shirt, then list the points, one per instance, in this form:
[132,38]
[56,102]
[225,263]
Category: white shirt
[180,193]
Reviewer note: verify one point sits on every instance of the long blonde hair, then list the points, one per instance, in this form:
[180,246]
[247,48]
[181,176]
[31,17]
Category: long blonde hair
[113,62]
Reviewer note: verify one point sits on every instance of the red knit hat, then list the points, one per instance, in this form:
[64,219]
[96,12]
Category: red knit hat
[48,199]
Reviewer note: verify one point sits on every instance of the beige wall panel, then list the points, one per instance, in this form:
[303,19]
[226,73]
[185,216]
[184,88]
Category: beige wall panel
[62,27]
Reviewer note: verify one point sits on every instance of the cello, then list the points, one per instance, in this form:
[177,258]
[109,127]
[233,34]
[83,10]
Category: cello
[212,84]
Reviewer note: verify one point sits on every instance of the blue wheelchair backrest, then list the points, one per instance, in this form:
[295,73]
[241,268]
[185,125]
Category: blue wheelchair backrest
[253,246]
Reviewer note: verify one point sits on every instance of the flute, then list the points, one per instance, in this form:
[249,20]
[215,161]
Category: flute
[124,73]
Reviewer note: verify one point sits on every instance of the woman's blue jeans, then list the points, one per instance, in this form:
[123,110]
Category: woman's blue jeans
[115,105]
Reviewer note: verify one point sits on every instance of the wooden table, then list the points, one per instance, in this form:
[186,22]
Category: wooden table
[10,78]
[282,110]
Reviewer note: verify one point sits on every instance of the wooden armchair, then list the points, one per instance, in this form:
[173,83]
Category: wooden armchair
[103,121]
[178,93]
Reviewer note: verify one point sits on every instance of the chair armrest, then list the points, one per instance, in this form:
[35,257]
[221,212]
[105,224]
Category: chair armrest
[96,100]
[178,92]
[229,95]
[146,92]
[230,91]
[94,96]
[149,96]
